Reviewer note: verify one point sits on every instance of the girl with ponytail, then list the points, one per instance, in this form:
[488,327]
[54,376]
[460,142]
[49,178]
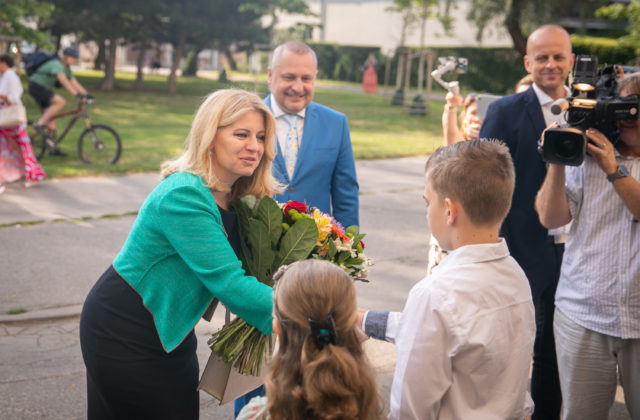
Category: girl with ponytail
[320,370]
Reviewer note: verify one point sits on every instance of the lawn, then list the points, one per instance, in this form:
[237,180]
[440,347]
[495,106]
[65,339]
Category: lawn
[153,125]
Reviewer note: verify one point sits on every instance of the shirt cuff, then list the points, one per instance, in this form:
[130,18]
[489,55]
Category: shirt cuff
[375,324]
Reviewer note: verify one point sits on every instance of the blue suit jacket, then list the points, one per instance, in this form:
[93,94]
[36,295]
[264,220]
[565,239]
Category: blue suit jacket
[325,173]
[518,121]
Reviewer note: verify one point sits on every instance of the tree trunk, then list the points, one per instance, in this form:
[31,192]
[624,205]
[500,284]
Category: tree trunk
[400,69]
[512,22]
[99,63]
[177,56]
[232,62]
[407,74]
[109,80]
[192,65]
[140,64]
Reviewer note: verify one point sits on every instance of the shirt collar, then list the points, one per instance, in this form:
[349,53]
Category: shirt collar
[545,99]
[470,254]
[277,112]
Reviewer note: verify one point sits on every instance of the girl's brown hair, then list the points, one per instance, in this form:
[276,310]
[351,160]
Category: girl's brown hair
[305,382]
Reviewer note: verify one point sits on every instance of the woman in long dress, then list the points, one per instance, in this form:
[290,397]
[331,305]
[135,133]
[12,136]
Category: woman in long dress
[16,154]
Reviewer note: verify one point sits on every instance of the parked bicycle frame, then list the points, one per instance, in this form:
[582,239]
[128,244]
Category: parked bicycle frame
[98,143]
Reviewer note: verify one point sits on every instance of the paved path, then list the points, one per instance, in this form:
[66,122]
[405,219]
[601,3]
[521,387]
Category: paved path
[57,237]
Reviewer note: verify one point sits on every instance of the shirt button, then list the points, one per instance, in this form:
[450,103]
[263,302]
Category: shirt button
[292,190]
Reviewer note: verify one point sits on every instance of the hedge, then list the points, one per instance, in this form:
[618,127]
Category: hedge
[494,70]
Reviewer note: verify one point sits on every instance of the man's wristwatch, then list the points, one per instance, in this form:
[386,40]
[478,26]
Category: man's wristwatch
[621,172]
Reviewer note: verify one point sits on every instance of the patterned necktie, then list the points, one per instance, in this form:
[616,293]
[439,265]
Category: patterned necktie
[291,145]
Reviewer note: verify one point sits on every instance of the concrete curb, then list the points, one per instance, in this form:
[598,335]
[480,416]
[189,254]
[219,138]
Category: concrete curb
[40,315]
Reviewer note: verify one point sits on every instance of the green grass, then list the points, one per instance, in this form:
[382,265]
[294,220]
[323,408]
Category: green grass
[153,125]
[17,311]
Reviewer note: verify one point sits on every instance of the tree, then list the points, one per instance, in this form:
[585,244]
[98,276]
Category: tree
[16,16]
[523,16]
[417,12]
[631,12]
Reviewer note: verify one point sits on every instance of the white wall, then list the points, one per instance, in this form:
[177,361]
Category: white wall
[366,22]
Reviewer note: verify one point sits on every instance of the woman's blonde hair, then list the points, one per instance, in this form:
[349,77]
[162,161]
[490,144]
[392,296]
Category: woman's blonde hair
[221,109]
[305,382]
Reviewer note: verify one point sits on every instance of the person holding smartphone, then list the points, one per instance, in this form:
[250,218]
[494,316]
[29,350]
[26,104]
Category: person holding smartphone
[469,127]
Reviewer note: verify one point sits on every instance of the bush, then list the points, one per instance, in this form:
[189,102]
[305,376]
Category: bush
[494,70]
[608,50]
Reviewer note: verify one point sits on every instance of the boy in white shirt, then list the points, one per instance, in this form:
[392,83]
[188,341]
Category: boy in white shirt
[465,337]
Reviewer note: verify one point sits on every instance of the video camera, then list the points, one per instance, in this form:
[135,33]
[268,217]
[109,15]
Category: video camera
[594,103]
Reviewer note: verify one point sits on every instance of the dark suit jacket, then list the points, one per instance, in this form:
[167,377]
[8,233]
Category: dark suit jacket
[325,173]
[518,121]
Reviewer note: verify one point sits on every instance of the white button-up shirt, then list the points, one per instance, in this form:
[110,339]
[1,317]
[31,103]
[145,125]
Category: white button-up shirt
[599,286]
[464,340]
[282,126]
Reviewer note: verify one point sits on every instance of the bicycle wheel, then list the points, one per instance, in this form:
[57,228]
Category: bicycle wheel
[99,144]
[37,144]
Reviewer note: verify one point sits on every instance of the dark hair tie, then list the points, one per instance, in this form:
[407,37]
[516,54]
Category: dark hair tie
[324,333]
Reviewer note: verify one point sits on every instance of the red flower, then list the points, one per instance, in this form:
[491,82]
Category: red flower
[295,205]
[362,245]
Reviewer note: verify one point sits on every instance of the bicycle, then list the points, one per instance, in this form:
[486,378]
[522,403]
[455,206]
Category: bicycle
[98,143]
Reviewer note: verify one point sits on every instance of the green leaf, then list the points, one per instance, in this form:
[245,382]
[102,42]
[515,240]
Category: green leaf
[332,249]
[343,256]
[251,201]
[298,242]
[356,239]
[353,230]
[244,212]
[261,253]
[270,214]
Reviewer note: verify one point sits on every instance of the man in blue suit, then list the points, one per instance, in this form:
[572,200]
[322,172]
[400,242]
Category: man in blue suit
[519,120]
[323,172]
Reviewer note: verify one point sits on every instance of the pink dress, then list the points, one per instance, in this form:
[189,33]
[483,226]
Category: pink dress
[16,154]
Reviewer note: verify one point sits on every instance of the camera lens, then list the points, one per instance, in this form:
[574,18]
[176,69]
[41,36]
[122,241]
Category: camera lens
[567,148]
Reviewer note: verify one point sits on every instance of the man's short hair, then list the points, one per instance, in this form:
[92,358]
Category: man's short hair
[7,59]
[477,173]
[295,47]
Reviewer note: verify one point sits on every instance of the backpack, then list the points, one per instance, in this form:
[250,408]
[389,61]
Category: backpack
[36,59]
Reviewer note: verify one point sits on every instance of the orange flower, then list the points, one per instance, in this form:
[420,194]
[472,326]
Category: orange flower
[339,233]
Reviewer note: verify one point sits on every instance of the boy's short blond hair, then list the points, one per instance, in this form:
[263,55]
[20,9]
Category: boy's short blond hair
[477,173]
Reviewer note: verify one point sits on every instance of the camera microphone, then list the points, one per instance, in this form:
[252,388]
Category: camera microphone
[559,106]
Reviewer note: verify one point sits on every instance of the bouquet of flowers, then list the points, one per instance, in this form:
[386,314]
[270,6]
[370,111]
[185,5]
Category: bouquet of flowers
[273,235]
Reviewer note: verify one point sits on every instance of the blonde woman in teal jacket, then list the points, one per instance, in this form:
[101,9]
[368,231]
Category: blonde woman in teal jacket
[137,324]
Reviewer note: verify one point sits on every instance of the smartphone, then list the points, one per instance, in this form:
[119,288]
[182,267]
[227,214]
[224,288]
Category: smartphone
[483,103]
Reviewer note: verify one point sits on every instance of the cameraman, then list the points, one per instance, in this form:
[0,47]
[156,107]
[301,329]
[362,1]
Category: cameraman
[597,319]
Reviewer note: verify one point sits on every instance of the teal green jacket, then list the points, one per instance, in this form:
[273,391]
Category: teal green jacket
[177,257]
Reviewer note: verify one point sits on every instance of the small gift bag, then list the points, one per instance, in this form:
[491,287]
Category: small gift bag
[225,383]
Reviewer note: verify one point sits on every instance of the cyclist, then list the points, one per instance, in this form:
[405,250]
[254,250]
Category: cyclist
[41,85]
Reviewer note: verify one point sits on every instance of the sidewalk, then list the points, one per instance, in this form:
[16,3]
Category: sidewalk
[57,237]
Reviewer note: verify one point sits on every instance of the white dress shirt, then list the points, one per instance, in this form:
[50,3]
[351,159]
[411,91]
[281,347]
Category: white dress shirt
[282,126]
[599,286]
[465,339]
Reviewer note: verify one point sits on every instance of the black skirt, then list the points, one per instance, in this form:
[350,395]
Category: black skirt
[129,374]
